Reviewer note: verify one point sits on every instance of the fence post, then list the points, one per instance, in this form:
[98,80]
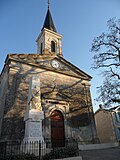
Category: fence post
[4,149]
[39,150]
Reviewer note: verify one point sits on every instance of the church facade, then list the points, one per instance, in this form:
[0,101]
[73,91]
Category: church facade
[45,97]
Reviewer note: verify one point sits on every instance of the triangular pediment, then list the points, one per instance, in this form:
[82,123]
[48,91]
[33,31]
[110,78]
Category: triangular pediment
[68,68]
[51,62]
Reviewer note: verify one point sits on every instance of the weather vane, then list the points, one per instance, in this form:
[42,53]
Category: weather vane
[48,3]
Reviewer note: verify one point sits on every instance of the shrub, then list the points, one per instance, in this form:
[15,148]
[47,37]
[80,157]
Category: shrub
[20,157]
[61,153]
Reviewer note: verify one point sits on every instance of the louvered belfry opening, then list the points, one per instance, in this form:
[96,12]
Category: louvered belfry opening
[52,46]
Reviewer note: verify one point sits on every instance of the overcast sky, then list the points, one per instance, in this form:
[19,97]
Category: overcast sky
[79,21]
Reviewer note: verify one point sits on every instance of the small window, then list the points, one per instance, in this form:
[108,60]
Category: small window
[52,46]
[118,116]
[119,130]
[41,48]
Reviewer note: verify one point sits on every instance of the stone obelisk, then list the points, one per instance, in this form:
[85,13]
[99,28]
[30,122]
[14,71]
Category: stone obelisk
[34,114]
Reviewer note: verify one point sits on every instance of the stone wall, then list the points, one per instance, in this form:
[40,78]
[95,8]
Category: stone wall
[104,125]
[3,91]
[74,91]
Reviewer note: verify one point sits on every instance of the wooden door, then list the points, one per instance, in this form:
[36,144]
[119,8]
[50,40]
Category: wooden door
[57,129]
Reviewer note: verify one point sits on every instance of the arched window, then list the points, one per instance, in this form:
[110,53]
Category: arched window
[52,46]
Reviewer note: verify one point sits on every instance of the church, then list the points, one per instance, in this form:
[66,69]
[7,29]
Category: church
[45,97]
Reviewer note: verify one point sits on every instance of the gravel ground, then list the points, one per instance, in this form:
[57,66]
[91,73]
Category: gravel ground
[103,154]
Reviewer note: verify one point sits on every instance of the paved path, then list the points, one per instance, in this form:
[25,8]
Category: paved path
[106,154]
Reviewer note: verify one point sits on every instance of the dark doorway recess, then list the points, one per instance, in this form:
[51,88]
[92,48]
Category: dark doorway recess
[57,129]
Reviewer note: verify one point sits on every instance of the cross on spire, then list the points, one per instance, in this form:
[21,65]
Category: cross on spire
[48,3]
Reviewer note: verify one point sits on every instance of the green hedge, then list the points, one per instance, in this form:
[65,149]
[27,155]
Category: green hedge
[58,153]
[20,157]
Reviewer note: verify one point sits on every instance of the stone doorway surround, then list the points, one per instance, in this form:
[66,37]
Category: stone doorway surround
[49,106]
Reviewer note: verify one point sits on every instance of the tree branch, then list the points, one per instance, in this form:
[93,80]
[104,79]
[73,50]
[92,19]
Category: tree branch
[107,56]
[114,74]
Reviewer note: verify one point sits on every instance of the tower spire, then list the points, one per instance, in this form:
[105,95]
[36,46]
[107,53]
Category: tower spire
[49,42]
[48,23]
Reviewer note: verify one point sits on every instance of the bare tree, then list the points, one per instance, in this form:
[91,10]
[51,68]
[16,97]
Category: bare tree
[106,48]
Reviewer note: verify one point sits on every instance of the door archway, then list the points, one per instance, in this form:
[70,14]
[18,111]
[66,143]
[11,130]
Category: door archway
[57,129]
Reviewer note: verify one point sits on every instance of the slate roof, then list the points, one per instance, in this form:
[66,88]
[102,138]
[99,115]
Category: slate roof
[49,22]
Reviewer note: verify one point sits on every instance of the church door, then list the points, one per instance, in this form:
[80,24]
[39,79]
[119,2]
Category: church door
[57,129]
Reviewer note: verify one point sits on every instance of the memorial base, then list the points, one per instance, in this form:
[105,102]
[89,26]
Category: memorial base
[33,126]
[33,140]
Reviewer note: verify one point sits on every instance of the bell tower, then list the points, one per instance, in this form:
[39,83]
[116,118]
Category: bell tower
[49,42]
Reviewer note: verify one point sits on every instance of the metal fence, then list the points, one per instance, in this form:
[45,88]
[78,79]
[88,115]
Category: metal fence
[16,150]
